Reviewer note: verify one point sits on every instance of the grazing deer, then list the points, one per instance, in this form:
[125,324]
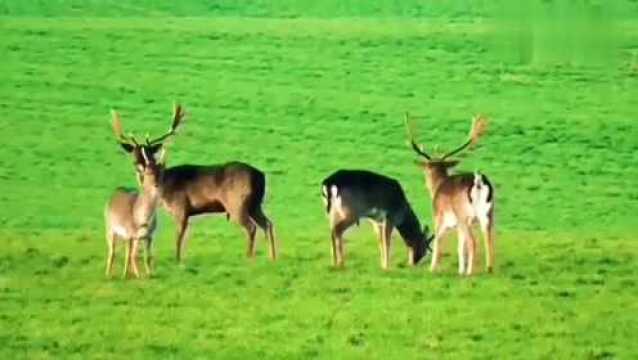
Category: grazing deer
[234,188]
[350,195]
[458,201]
[130,216]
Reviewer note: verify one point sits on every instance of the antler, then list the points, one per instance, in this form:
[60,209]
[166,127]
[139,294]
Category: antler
[410,130]
[147,159]
[119,131]
[479,127]
[178,116]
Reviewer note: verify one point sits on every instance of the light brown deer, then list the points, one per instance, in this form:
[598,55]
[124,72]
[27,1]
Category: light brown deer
[350,195]
[234,188]
[458,201]
[130,218]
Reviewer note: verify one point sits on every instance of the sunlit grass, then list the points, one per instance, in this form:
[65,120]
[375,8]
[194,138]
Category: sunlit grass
[300,98]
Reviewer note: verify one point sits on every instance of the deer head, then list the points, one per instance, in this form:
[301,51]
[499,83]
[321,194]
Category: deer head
[436,167]
[143,152]
[421,248]
[149,174]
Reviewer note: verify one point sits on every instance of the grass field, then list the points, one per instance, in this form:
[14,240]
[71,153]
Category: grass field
[300,90]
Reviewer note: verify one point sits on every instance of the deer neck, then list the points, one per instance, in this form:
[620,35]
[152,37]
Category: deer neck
[410,228]
[434,178]
[146,204]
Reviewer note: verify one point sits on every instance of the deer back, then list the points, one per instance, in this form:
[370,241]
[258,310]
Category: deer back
[453,193]
[363,193]
[127,212]
[212,188]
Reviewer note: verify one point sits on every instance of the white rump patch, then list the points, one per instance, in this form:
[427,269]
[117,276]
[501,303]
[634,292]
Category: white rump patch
[449,220]
[335,201]
[480,193]
[120,231]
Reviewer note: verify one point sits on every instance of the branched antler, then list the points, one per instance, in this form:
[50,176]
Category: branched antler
[478,129]
[178,117]
[409,125]
[119,131]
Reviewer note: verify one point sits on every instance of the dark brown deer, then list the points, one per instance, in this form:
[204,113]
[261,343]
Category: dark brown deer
[458,201]
[130,217]
[234,188]
[350,195]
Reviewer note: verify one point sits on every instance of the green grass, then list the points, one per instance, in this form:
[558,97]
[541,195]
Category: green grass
[300,98]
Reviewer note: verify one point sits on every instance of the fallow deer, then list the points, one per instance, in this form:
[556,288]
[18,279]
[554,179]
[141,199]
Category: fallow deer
[234,188]
[130,217]
[350,195]
[458,200]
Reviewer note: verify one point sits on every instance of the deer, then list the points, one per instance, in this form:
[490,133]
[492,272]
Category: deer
[233,188]
[130,216]
[350,195]
[459,200]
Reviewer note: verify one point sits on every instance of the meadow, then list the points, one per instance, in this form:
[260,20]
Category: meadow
[300,89]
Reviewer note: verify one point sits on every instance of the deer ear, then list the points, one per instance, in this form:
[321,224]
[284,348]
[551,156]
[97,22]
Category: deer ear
[153,149]
[451,163]
[127,147]
[162,157]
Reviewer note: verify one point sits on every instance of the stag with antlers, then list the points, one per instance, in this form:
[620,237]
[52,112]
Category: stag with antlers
[234,188]
[459,200]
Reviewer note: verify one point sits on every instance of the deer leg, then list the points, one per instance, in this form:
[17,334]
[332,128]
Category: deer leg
[151,257]
[145,259]
[273,242]
[182,224]
[462,253]
[241,216]
[334,219]
[487,228]
[337,234]
[387,243]
[441,232]
[411,256]
[470,242]
[251,230]
[133,257]
[110,257]
[127,260]
[341,250]
[335,255]
[337,240]
[267,227]
[148,255]
[378,231]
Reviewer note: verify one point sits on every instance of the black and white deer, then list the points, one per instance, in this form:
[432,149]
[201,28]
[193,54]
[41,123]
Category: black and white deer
[350,195]
[234,188]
